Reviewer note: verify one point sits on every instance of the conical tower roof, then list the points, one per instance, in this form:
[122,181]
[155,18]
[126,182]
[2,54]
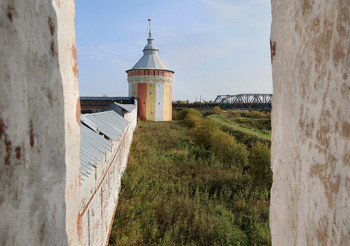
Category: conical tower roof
[150,58]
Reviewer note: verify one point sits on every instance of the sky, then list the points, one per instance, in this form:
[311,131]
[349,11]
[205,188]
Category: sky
[215,47]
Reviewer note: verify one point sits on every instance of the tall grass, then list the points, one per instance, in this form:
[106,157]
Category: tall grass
[192,184]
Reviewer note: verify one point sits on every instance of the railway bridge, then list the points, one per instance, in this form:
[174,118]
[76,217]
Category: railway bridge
[240,101]
[244,101]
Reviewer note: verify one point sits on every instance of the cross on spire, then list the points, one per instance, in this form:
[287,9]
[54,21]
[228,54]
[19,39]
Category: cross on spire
[149,29]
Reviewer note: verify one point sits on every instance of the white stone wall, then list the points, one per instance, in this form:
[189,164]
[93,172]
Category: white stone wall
[99,192]
[159,102]
[132,117]
[310,49]
[39,124]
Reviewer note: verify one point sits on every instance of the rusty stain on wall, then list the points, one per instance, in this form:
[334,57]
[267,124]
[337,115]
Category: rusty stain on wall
[31,134]
[2,127]
[273,46]
[77,112]
[18,152]
[346,129]
[10,12]
[306,8]
[79,227]
[51,26]
[52,48]
[75,63]
[7,142]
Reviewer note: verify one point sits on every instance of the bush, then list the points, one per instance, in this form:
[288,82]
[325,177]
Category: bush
[225,147]
[234,113]
[229,151]
[191,119]
[217,109]
[182,114]
[253,114]
[261,165]
[205,131]
[175,114]
[209,112]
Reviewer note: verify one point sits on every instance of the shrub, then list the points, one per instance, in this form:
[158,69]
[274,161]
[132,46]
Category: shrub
[175,114]
[253,114]
[217,109]
[191,120]
[234,113]
[205,131]
[229,151]
[182,114]
[209,112]
[261,165]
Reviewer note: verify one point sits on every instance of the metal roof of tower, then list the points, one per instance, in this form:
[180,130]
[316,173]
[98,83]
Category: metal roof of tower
[150,58]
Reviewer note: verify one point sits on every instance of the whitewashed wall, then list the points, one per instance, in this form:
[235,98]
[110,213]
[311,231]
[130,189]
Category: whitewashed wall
[159,101]
[39,124]
[310,122]
[132,117]
[99,191]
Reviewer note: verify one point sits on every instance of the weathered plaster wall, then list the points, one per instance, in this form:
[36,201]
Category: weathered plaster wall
[310,122]
[67,53]
[99,191]
[39,124]
[132,117]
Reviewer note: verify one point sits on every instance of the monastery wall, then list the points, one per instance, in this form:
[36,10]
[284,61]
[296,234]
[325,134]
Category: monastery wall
[99,191]
[132,117]
[39,124]
[40,200]
[310,54]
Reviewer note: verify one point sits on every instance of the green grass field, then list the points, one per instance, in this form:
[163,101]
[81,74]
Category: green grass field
[242,128]
[179,189]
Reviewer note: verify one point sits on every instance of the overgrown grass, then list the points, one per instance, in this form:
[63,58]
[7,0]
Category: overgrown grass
[192,184]
[243,128]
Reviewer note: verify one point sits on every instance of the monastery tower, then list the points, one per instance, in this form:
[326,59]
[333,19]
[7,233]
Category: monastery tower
[150,81]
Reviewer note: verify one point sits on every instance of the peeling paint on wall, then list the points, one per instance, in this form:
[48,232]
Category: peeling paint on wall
[310,122]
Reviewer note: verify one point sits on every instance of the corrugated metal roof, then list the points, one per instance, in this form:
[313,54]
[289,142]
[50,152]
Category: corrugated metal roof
[93,146]
[150,58]
[109,123]
[106,98]
[88,122]
[127,107]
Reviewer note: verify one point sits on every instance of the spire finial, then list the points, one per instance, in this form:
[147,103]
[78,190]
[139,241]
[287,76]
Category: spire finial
[149,32]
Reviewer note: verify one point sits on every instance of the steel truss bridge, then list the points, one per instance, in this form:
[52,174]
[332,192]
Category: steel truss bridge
[244,101]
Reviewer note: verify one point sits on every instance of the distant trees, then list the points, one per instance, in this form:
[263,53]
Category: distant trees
[188,102]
